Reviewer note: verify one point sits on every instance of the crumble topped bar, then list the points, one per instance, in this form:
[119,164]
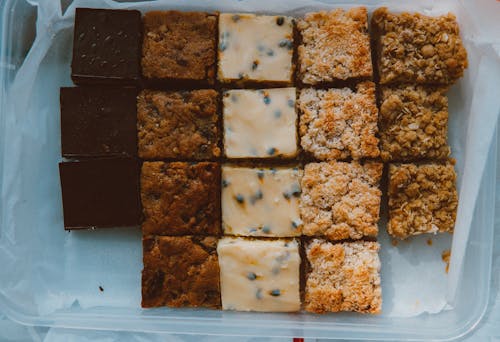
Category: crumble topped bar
[335,46]
[339,123]
[422,199]
[414,48]
[413,123]
[343,277]
[341,200]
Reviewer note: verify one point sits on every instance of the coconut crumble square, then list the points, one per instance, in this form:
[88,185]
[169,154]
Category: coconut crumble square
[414,48]
[343,277]
[334,46]
[255,48]
[422,199]
[341,200]
[413,123]
[339,123]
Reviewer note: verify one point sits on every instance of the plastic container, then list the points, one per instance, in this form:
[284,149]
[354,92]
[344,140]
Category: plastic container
[43,268]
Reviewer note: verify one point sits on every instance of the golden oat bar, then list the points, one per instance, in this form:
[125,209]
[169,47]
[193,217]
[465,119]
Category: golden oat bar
[414,48]
[422,199]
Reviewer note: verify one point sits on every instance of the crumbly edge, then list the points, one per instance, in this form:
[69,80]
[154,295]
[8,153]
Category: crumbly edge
[422,199]
[343,277]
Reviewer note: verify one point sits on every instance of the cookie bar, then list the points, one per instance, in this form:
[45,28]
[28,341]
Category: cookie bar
[341,200]
[180,271]
[255,49]
[339,123]
[413,123]
[181,198]
[422,199]
[343,277]
[100,193]
[179,47]
[261,202]
[335,46]
[259,275]
[414,48]
[106,46]
[98,121]
[260,123]
[180,125]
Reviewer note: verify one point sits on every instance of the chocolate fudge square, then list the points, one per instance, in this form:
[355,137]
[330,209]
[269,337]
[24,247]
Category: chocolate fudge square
[178,125]
[99,193]
[335,47]
[106,46]
[343,277]
[422,199]
[413,123]
[179,47]
[414,48]
[180,271]
[341,200]
[181,198]
[98,121]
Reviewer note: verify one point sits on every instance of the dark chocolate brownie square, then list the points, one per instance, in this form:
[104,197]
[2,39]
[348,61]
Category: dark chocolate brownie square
[181,198]
[98,121]
[181,125]
[100,193]
[180,271]
[180,47]
[106,46]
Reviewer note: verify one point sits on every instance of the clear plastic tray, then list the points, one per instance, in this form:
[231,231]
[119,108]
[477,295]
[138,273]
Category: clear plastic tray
[35,248]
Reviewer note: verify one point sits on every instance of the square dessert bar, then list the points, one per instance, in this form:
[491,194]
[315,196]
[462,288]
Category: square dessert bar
[179,47]
[100,193]
[106,46]
[335,47]
[260,123]
[341,200]
[259,275]
[343,277]
[413,123]
[180,271]
[414,48]
[339,123]
[181,198]
[98,121]
[255,49]
[422,199]
[178,124]
[261,202]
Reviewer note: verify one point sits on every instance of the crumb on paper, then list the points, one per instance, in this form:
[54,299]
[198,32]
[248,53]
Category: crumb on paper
[429,242]
[394,242]
[445,256]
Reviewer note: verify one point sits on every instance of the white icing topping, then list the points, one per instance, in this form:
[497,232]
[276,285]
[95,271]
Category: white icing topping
[261,202]
[255,47]
[260,123]
[259,275]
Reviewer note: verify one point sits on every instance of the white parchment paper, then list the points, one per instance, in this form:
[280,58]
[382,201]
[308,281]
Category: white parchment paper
[47,269]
